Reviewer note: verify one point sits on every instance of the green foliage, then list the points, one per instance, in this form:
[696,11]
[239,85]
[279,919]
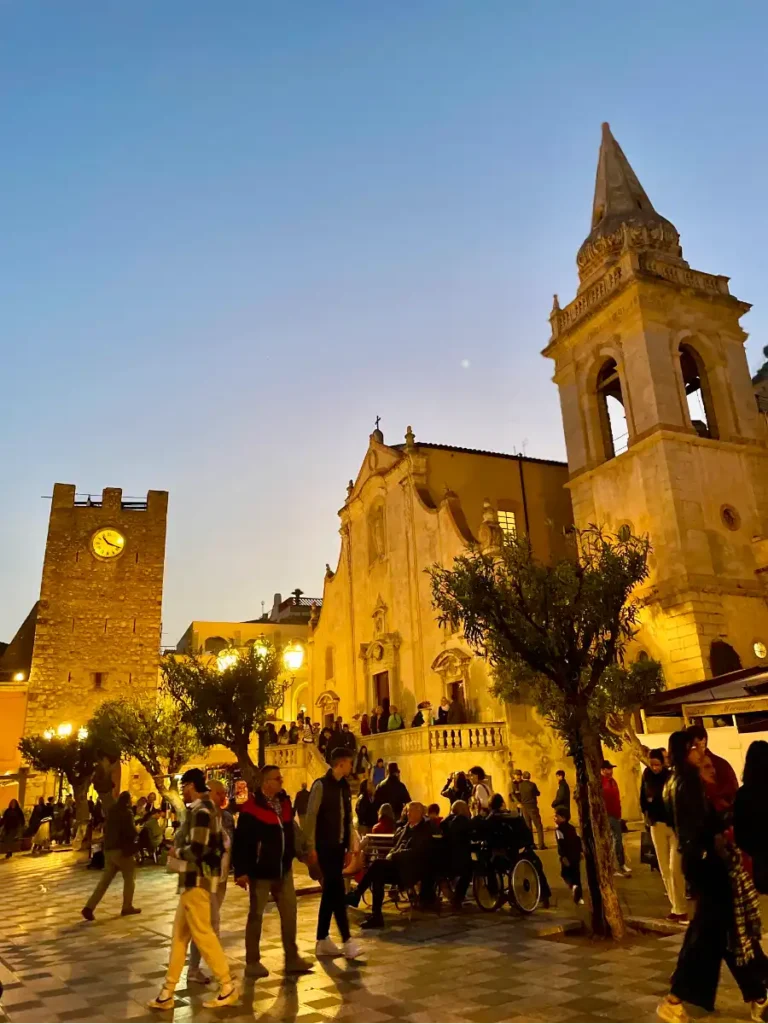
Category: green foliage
[555,635]
[150,729]
[226,707]
[71,756]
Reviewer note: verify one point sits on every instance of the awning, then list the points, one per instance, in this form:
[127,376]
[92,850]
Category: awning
[746,682]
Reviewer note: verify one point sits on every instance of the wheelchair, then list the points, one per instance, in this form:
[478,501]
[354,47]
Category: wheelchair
[501,877]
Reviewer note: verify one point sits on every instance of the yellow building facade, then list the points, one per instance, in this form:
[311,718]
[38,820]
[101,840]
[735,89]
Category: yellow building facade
[413,505]
[663,430]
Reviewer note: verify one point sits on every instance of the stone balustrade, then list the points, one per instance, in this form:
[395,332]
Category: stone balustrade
[485,736]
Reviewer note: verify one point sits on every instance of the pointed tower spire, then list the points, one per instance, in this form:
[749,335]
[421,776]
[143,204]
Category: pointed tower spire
[623,217]
[617,190]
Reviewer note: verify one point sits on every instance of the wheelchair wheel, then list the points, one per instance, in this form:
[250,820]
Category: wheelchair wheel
[488,889]
[524,886]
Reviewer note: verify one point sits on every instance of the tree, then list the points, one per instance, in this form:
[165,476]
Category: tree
[226,699]
[555,636]
[76,757]
[152,730]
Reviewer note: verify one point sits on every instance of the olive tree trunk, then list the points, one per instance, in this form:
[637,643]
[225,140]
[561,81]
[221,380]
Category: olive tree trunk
[607,918]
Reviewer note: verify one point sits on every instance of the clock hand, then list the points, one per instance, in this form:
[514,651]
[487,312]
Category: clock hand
[111,544]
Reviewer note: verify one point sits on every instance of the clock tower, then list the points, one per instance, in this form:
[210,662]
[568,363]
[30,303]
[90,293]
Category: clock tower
[97,634]
[663,431]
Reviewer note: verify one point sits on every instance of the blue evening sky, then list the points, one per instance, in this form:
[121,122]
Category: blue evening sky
[234,233]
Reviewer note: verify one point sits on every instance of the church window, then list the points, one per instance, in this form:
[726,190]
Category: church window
[723,658]
[329,663]
[215,645]
[697,392]
[507,523]
[99,679]
[613,419]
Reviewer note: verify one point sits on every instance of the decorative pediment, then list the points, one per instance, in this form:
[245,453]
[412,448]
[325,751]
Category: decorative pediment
[453,663]
[379,459]
[327,697]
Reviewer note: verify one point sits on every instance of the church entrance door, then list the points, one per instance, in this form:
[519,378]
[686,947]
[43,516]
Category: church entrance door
[381,687]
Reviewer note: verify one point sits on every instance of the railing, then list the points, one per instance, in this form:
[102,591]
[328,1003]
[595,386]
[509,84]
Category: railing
[488,736]
[297,755]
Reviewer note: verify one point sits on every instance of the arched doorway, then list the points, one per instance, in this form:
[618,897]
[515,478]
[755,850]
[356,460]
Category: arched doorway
[723,658]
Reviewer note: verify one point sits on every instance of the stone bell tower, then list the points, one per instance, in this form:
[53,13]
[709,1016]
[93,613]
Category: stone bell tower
[97,635]
[662,428]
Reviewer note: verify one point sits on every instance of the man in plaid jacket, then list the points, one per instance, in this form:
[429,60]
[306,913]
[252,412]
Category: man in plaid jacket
[199,846]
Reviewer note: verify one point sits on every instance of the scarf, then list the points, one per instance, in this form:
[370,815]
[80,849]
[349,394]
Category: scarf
[747,927]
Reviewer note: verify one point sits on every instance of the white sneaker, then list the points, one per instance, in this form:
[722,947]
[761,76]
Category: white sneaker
[327,947]
[627,872]
[352,949]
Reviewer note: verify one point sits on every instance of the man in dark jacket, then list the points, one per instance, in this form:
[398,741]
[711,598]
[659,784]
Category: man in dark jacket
[348,740]
[406,864]
[262,856]
[119,847]
[563,795]
[392,791]
[457,830]
[327,832]
[301,803]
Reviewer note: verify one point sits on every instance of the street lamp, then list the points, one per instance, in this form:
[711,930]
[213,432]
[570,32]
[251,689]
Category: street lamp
[19,677]
[82,733]
[227,659]
[293,656]
[261,646]
[64,730]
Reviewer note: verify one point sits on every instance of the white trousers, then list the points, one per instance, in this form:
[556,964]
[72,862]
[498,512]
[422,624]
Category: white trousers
[670,865]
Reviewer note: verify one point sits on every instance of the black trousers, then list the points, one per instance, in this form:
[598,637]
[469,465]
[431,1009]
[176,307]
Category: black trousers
[380,874]
[333,902]
[705,947]
[571,875]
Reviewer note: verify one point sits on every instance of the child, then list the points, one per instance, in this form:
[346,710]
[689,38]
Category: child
[569,851]
[433,813]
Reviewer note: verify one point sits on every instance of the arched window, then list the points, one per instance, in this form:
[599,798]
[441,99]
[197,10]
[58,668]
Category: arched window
[613,419]
[697,392]
[215,644]
[723,658]
[329,663]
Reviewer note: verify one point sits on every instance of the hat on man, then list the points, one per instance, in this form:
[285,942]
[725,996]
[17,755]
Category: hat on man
[607,764]
[196,777]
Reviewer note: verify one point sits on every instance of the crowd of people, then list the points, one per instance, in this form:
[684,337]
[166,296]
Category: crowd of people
[709,835]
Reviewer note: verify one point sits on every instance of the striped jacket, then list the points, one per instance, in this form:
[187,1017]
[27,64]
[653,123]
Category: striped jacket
[200,842]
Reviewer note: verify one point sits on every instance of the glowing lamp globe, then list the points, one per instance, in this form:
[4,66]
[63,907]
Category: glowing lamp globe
[64,730]
[293,657]
[227,659]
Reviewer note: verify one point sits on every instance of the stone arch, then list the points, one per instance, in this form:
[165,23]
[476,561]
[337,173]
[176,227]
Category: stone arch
[611,409]
[598,432]
[723,658]
[699,401]
[215,645]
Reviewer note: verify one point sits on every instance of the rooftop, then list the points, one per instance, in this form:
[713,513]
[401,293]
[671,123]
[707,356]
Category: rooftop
[480,451]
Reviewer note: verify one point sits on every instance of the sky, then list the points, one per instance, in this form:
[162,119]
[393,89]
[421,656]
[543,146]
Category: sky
[233,234]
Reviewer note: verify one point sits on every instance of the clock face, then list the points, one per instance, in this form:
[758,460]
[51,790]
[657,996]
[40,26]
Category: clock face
[108,543]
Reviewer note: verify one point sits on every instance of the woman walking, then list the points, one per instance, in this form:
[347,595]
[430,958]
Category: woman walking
[726,924]
[665,843]
[12,828]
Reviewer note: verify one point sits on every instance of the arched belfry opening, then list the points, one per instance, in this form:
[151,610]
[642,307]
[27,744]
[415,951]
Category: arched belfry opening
[613,418]
[723,658]
[697,392]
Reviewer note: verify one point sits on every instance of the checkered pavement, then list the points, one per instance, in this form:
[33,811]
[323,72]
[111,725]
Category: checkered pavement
[476,967]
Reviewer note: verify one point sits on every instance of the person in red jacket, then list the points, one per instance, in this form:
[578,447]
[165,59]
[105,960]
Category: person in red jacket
[719,778]
[612,801]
